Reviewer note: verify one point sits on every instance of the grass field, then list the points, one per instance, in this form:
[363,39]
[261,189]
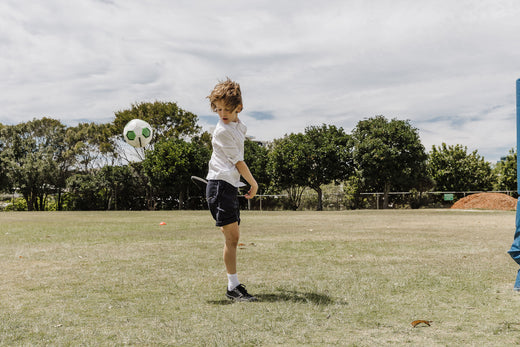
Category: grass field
[354,278]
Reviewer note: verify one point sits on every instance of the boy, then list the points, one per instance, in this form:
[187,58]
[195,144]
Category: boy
[225,168]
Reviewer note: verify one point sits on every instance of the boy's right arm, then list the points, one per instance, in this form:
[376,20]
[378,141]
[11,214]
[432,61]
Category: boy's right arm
[243,169]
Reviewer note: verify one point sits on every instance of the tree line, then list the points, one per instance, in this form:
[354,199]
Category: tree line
[52,166]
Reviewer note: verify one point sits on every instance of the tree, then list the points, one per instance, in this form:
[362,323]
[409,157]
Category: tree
[388,154]
[33,154]
[453,169]
[318,157]
[109,188]
[93,146]
[505,173]
[328,158]
[86,148]
[166,118]
[286,167]
[170,166]
[4,179]
[84,193]
[256,157]
[124,187]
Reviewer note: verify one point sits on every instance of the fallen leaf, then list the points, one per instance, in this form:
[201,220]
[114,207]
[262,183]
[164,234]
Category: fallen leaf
[419,321]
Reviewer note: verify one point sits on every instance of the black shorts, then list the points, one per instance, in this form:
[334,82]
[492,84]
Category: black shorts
[222,200]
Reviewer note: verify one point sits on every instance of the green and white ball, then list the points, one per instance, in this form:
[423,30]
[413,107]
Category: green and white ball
[138,133]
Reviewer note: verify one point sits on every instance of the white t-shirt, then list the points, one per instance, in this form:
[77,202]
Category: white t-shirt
[228,149]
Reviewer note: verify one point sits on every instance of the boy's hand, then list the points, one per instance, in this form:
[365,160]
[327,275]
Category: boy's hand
[244,171]
[251,193]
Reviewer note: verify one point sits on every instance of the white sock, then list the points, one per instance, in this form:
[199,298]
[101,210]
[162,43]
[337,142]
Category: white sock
[232,281]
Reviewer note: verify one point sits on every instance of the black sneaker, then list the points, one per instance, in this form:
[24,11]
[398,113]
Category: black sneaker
[240,294]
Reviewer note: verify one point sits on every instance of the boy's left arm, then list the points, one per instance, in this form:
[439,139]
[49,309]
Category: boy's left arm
[243,169]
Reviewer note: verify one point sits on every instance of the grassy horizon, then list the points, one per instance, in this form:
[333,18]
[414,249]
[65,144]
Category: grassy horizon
[355,278]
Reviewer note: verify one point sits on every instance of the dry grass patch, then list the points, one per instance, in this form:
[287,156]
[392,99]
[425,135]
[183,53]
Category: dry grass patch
[354,278]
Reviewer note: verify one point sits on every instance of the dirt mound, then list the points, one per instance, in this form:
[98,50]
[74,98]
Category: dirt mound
[487,201]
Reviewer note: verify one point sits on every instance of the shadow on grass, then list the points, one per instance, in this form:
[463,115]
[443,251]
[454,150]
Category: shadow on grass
[297,297]
[287,296]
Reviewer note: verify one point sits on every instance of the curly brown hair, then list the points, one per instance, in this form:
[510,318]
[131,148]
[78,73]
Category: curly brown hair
[227,91]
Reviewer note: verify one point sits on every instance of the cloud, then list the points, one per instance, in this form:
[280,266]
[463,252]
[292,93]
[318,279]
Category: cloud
[449,67]
[209,120]
[259,115]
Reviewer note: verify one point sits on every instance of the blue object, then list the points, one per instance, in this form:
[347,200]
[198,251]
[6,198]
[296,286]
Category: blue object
[517,134]
[514,252]
[517,282]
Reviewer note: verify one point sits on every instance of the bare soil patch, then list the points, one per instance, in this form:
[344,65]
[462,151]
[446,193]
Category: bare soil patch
[486,201]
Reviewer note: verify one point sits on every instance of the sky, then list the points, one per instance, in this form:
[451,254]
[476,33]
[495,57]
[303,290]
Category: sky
[449,67]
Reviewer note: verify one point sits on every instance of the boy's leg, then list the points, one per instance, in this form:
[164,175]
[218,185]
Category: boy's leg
[232,234]
[235,290]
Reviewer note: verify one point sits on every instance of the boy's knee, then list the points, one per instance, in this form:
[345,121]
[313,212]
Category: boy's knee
[232,243]
[232,238]
[231,232]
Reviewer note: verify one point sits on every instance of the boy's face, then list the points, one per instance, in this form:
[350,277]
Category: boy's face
[226,114]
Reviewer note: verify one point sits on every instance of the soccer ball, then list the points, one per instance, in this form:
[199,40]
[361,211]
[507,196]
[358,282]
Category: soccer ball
[138,133]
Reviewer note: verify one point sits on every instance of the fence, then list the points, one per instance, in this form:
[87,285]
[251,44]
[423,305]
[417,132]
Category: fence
[332,201]
[342,201]
[448,196]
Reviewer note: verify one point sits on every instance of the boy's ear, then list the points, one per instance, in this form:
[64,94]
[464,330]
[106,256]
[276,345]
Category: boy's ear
[239,108]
